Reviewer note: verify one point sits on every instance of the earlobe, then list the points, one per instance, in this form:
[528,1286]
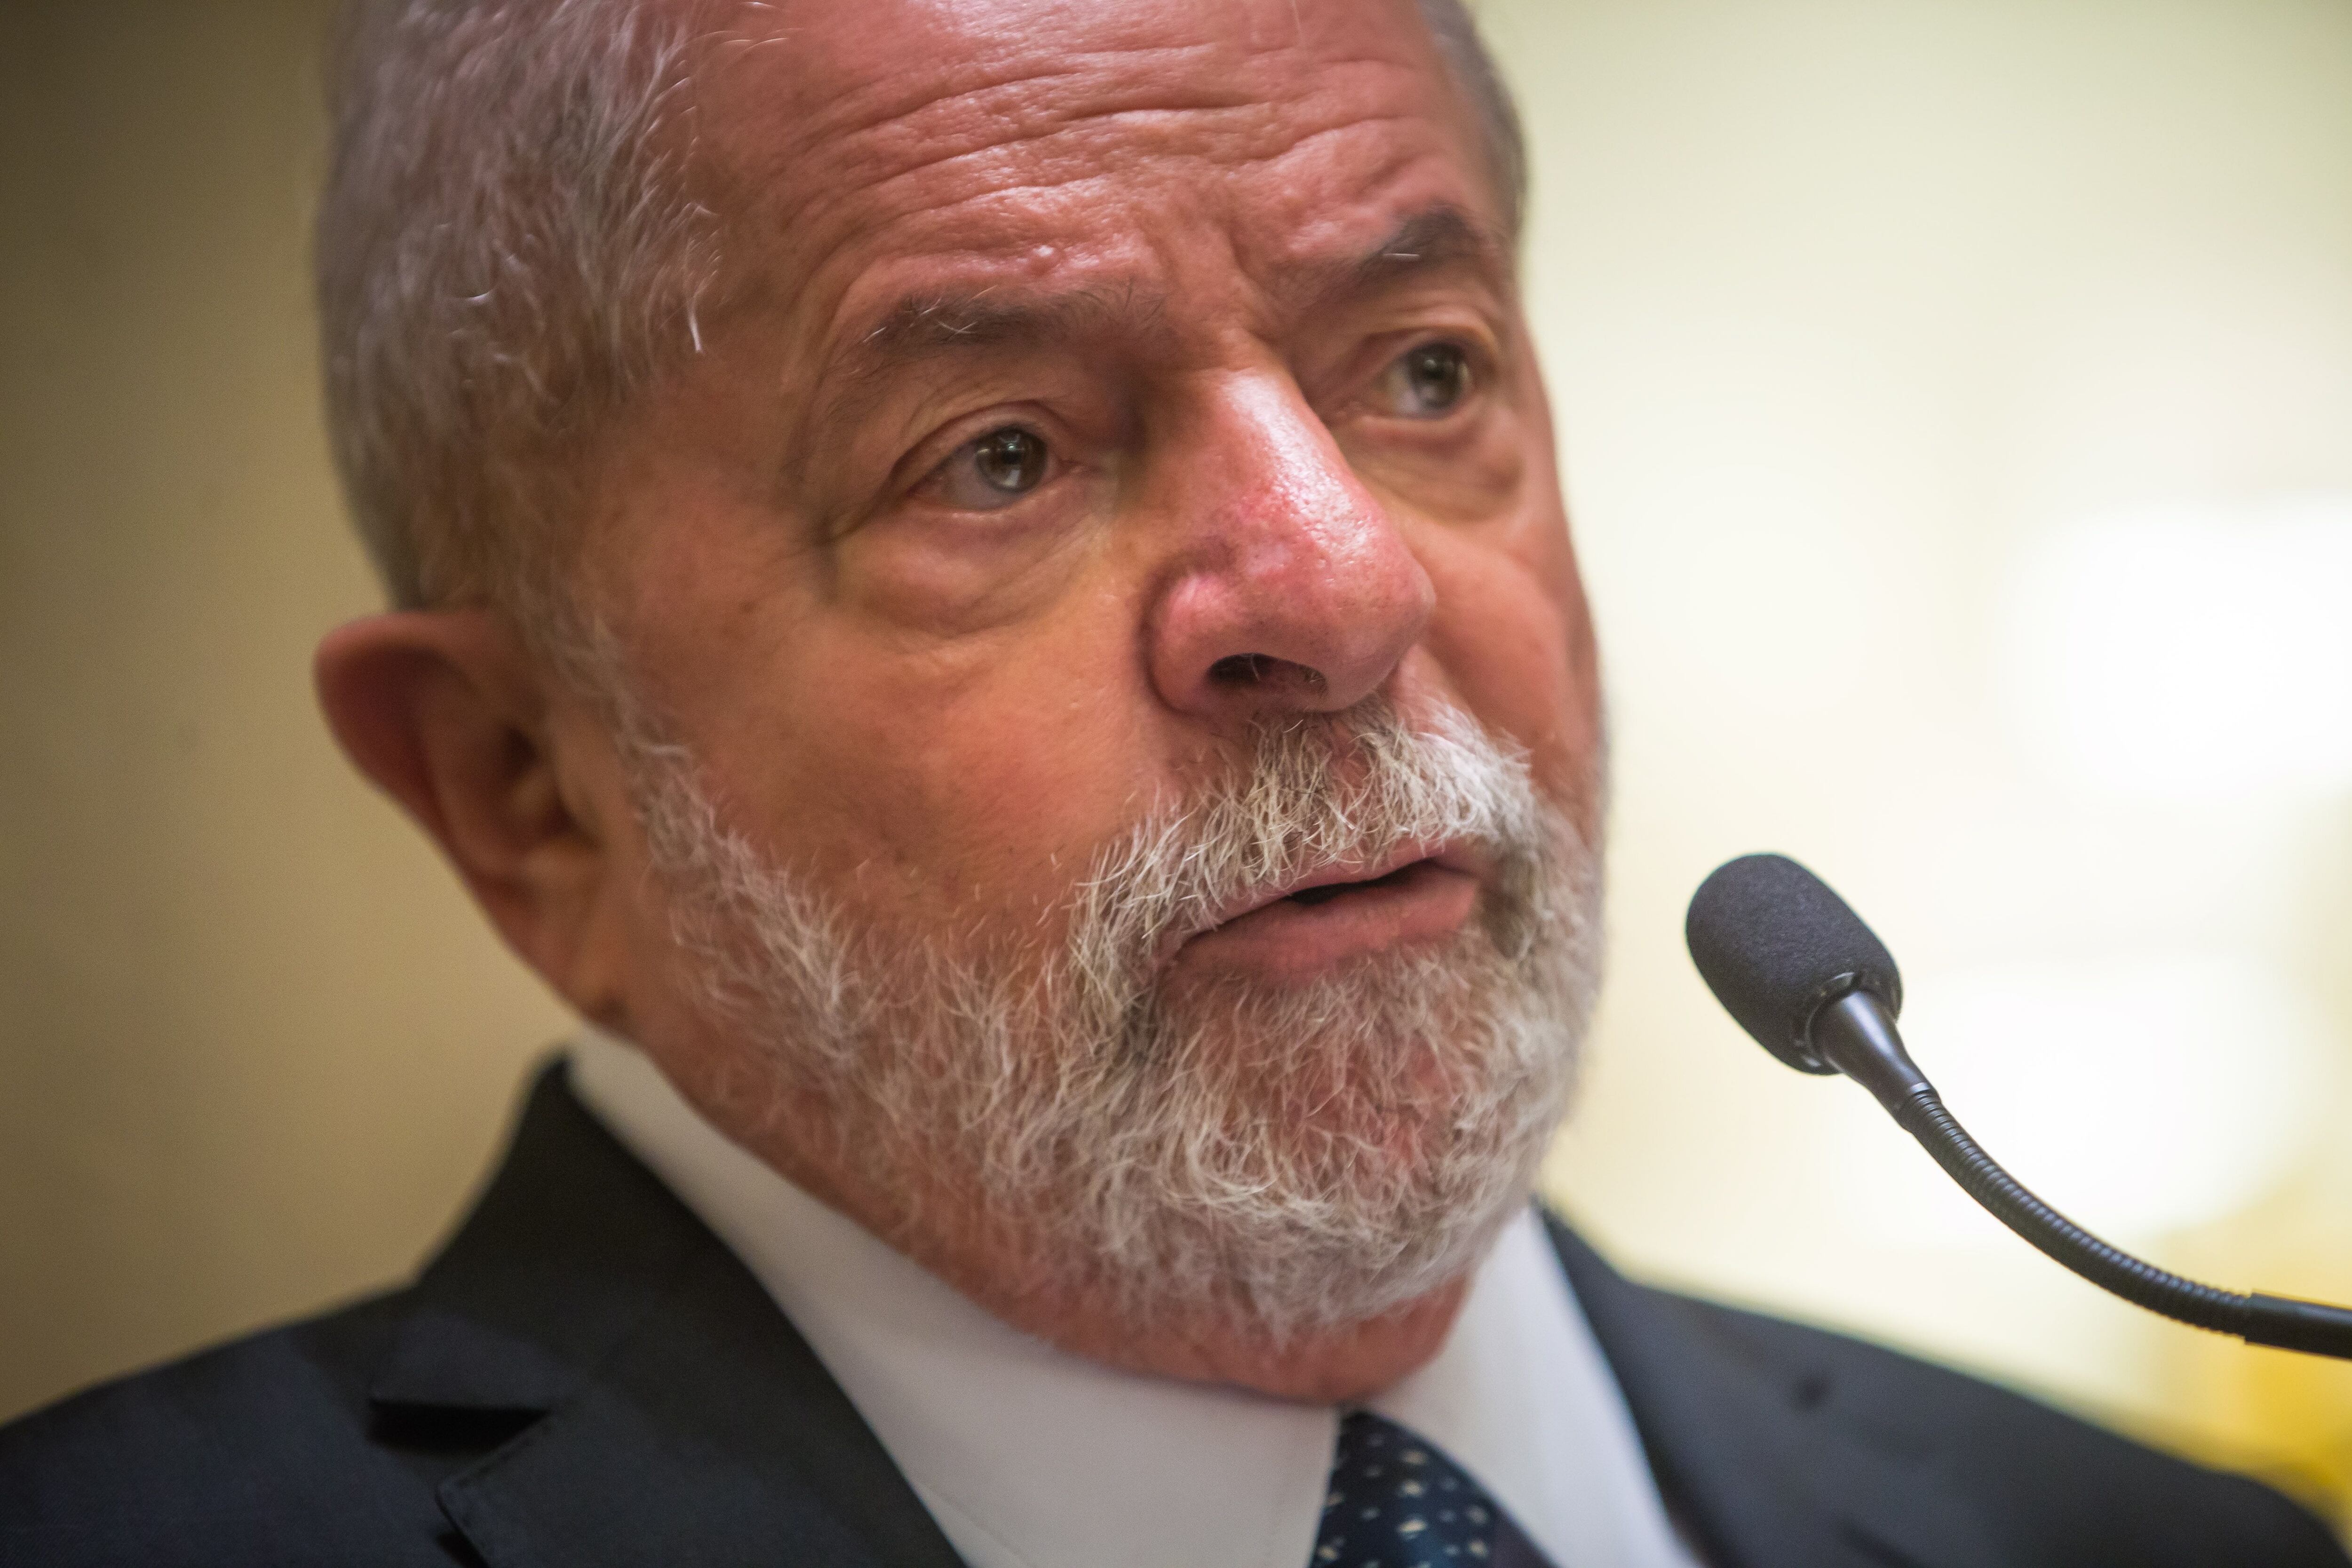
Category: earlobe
[447,713]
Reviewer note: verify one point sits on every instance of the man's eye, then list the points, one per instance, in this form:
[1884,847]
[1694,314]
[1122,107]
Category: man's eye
[994,471]
[1426,382]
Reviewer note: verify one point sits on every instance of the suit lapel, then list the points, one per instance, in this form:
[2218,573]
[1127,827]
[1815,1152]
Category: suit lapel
[1756,1452]
[667,1411]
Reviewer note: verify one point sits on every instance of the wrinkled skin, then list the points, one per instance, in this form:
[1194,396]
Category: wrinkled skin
[1189,250]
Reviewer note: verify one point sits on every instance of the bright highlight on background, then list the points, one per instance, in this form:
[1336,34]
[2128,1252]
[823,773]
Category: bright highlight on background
[2139,1094]
[2191,652]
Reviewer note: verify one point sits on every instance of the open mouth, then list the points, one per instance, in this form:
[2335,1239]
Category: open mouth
[1328,891]
[1310,929]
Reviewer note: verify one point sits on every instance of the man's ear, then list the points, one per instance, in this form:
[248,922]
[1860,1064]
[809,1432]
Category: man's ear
[448,713]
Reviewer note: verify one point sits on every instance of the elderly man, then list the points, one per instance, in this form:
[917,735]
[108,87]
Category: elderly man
[981,587]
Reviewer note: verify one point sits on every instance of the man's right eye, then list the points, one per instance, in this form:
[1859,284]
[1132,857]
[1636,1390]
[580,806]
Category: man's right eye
[996,470]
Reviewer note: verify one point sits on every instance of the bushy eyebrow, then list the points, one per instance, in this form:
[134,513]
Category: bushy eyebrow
[920,328]
[1430,240]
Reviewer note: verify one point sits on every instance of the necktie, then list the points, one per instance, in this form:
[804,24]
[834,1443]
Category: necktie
[1397,1501]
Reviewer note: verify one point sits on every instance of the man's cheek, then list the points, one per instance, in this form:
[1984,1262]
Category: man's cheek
[931,575]
[1509,648]
[1034,817]
[973,801]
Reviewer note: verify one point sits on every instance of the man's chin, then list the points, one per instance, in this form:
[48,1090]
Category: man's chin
[1327,1366]
[1326,1281]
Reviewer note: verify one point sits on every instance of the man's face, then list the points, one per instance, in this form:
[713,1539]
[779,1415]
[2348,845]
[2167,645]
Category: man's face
[1098,389]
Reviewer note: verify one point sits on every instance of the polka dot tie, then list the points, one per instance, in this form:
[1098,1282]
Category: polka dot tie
[1397,1501]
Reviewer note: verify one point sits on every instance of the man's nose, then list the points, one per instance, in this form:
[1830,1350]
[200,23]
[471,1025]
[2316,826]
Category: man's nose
[1293,589]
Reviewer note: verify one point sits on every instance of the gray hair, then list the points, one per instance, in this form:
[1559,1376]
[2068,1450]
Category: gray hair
[508,247]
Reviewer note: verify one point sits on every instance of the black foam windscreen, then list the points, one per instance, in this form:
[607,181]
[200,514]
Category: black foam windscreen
[1776,945]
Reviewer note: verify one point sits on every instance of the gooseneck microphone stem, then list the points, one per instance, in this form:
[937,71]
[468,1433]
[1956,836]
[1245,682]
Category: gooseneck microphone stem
[1817,989]
[1854,1035]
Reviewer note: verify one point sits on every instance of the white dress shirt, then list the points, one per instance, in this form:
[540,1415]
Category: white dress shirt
[1031,1458]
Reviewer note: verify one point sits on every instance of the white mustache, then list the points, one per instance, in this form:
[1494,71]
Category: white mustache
[1353,789]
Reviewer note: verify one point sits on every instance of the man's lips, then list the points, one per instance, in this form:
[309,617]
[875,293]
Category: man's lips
[1341,913]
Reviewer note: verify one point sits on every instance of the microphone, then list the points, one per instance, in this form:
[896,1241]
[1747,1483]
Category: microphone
[1801,972]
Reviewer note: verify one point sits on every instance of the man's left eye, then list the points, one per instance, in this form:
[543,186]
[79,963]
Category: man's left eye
[1429,381]
[996,470]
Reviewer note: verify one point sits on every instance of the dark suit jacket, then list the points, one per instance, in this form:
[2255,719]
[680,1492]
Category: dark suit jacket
[587,1377]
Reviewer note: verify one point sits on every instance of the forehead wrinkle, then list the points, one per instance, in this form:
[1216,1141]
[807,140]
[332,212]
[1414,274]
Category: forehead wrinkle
[1052,120]
[894,127]
[1062,143]
[1007,102]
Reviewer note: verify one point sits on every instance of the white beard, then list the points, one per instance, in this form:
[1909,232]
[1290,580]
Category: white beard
[1295,1158]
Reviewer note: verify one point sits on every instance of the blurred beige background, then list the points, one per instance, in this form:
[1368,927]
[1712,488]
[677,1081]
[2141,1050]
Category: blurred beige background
[1957,405]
